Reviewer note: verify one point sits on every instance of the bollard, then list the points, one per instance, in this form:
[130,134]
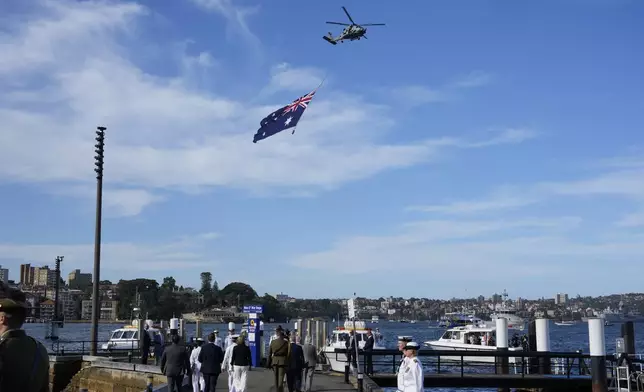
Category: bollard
[346,372]
[198,332]
[543,343]
[149,387]
[628,334]
[308,327]
[597,343]
[317,334]
[502,346]
[533,363]
[360,382]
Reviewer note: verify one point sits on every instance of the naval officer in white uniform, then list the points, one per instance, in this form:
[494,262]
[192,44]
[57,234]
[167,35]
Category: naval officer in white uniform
[402,342]
[410,374]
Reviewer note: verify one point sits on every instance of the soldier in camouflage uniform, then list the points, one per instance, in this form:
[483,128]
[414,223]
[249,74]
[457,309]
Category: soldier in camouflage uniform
[24,362]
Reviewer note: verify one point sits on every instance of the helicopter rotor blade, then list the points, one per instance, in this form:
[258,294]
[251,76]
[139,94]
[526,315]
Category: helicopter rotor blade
[349,16]
[338,23]
[372,24]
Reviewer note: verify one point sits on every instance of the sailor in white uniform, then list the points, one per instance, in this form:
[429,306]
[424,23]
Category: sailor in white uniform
[195,365]
[229,338]
[217,341]
[226,366]
[402,342]
[410,374]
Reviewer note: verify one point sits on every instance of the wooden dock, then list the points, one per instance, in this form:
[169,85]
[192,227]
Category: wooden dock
[260,379]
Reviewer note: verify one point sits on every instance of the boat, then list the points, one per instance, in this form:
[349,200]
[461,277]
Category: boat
[566,323]
[339,338]
[127,337]
[508,312]
[457,319]
[608,323]
[458,339]
[375,319]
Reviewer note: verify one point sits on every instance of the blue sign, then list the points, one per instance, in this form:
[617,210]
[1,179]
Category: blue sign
[253,309]
[254,340]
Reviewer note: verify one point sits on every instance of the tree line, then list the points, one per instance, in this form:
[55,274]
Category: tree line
[166,300]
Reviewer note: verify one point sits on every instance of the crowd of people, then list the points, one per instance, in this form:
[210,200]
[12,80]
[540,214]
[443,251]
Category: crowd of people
[203,362]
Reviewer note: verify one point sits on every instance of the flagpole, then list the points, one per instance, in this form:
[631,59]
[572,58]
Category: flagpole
[316,89]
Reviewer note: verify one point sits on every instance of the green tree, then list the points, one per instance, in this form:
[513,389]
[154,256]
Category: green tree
[148,291]
[237,293]
[206,283]
[169,283]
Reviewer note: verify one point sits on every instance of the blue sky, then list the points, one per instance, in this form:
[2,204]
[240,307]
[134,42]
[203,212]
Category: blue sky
[464,148]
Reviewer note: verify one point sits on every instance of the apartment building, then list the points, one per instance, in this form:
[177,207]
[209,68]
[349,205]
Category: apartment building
[78,280]
[109,310]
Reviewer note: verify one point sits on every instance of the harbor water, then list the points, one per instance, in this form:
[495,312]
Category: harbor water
[563,338]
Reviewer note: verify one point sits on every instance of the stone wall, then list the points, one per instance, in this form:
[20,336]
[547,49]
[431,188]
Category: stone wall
[96,374]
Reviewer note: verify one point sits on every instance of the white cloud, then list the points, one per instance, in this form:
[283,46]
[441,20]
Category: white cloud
[123,259]
[68,71]
[236,16]
[473,79]
[286,77]
[477,206]
[416,95]
[631,220]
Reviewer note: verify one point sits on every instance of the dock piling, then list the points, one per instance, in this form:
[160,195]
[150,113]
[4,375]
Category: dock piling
[198,332]
[628,334]
[597,343]
[542,327]
[502,363]
[533,363]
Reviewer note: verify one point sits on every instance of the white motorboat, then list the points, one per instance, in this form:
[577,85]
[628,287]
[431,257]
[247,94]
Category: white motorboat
[375,319]
[566,323]
[508,312]
[339,339]
[127,337]
[470,338]
[458,319]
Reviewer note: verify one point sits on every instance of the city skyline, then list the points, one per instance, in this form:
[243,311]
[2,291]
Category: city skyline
[451,156]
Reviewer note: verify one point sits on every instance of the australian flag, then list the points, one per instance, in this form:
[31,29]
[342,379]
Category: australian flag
[283,118]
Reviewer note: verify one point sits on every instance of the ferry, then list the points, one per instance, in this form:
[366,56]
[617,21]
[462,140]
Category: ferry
[375,319]
[127,337]
[509,313]
[460,338]
[339,339]
[566,323]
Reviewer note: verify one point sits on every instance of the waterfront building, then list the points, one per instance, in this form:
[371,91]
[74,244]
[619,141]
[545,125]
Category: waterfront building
[79,280]
[27,273]
[109,310]
[44,277]
[561,299]
[4,275]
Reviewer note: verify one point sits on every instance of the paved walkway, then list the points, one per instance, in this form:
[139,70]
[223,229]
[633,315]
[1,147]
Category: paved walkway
[262,380]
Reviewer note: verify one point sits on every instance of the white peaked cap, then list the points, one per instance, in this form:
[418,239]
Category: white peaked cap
[231,325]
[412,346]
[404,338]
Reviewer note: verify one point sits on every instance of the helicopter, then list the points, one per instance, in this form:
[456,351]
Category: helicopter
[352,32]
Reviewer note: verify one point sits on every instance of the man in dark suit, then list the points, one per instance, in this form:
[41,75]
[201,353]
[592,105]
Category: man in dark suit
[295,366]
[145,347]
[210,357]
[350,344]
[368,349]
[174,363]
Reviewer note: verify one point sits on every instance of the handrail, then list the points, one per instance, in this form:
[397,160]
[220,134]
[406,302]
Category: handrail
[473,353]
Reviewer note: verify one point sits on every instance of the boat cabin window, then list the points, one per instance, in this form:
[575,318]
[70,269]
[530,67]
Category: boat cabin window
[343,337]
[456,335]
[128,335]
[447,335]
[116,335]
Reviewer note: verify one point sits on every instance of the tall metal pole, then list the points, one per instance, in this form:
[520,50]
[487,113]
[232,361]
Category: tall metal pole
[59,259]
[96,301]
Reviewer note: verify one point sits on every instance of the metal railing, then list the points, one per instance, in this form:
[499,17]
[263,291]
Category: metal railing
[524,363]
[82,347]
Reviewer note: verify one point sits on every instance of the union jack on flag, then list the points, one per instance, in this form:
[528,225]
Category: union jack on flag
[283,118]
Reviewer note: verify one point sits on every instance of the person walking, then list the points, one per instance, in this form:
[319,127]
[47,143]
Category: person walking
[241,361]
[295,366]
[24,362]
[310,363]
[195,366]
[226,365]
[145,348]
[174,363]
[218,341]
[278,355]
[211,358]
